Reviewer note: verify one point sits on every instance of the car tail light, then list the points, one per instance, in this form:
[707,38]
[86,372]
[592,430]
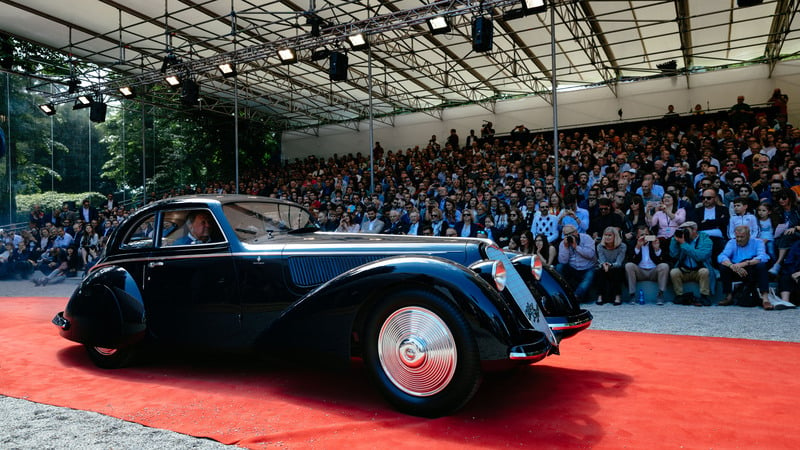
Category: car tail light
[499,275]
[536,267]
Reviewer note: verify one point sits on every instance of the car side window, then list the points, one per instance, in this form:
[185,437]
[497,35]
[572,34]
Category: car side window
[189,227]
[141,235]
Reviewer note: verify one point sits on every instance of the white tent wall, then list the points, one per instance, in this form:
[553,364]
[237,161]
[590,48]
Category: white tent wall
[712,90]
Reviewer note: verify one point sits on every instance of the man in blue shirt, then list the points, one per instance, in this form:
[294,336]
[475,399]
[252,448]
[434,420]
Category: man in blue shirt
[744,259]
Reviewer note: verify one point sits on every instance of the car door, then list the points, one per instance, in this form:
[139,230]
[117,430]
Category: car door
[192,287]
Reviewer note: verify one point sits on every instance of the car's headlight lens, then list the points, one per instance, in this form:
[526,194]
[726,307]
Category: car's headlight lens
[536,267]
[499,275]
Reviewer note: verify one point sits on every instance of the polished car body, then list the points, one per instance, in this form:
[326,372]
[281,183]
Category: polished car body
[426,314]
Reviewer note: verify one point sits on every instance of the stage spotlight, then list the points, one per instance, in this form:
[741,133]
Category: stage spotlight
[287,55]
[97,113]
[72,85]
[338,68]
[482,34]
[127,92]
[746,3]
[190,93]
[169,61]
[173,80]
[358,41]
[48,108]
[83,101]
[439,25]
[316,23]
[533,6]
[228,70]
[320,53]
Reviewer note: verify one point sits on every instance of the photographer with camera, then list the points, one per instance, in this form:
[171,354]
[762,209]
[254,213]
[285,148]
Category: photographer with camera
[692,250]
[647,261]
[577,260]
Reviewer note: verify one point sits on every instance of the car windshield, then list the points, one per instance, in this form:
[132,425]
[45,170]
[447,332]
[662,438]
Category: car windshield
[260,221]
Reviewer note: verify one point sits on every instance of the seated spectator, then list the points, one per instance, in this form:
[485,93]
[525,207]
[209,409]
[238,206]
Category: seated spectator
[767,223]
[610,259]
[744,258]
[6,265]
[667,217]
[788,282]
[544,250]
[577,261]
[647,261]
[606,218]
[712,219]
[395,225]
[545,222]
[741,216]
[372,223]
[526,244]
[788,230]
[466,227]
[692,250]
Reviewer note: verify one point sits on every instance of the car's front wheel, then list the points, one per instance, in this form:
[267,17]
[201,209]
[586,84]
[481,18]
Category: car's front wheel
[110,358]
[422,354]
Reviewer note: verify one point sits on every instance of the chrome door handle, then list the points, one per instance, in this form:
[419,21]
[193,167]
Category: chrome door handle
[155,264]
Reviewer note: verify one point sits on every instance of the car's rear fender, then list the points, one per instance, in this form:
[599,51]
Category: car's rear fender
[329,320]
[106,310]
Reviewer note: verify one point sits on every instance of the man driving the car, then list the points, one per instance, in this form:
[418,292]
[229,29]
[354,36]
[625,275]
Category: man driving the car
[199,225]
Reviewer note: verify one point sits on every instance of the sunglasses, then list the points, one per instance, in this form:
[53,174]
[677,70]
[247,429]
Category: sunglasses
[709,198]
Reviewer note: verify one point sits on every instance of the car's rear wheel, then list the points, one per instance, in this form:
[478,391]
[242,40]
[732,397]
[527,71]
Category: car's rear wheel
[422,354]
[110,358]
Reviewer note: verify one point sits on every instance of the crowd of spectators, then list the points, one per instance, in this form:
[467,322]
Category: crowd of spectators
[669,201]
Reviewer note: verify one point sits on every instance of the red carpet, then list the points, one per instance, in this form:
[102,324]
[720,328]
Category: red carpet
[608,390]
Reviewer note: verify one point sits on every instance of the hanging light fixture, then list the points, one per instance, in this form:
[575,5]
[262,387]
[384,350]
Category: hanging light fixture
[127,92]
[48,108]
[228,69]
[287,55]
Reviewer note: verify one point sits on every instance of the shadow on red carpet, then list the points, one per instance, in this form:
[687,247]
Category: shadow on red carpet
[607,390]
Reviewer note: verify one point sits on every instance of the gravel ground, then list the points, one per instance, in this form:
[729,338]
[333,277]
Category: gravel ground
[28,425]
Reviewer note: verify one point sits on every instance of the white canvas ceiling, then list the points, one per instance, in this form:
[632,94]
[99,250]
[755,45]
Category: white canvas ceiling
[597,42]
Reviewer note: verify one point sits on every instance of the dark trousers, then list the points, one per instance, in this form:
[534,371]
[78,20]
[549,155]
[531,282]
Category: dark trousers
[579,280]
[609,284]
[756,275]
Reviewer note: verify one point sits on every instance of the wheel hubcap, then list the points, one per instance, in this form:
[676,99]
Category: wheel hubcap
[417,351]
[105,351]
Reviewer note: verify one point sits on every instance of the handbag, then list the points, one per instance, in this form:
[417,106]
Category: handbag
[745,294]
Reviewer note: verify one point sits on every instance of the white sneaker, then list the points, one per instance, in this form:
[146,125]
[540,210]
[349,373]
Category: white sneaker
[776,268]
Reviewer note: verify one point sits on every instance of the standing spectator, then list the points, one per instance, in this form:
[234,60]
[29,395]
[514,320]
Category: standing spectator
[577,261]
[692,250]
[744,258]
[610,259]
[740,113]
[646,261]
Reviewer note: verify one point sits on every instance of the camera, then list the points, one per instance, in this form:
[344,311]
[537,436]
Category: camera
[651,237]
[680,234]
[570,240]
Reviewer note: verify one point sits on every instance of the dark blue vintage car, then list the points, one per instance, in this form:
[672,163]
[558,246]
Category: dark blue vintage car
[426,314]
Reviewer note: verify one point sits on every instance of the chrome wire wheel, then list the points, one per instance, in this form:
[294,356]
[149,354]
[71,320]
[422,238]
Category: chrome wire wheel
[417,351]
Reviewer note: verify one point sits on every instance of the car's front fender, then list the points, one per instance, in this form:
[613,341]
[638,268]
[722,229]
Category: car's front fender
[106,310]
[327,321]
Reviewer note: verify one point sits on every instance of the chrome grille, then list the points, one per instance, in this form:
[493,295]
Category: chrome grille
[310,271]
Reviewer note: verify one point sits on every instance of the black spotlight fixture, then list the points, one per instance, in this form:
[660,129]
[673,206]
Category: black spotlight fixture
[190,92]
[169,61]
[97,113]
[358,41]
[482,34]
[127,91]
[669,67]
[533,6]
[48,108]
[72,85]
[338,68]
[287,55]
[316,23]
[440,25]
[83,101]
[746,3]
[318,54]
[228,69]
